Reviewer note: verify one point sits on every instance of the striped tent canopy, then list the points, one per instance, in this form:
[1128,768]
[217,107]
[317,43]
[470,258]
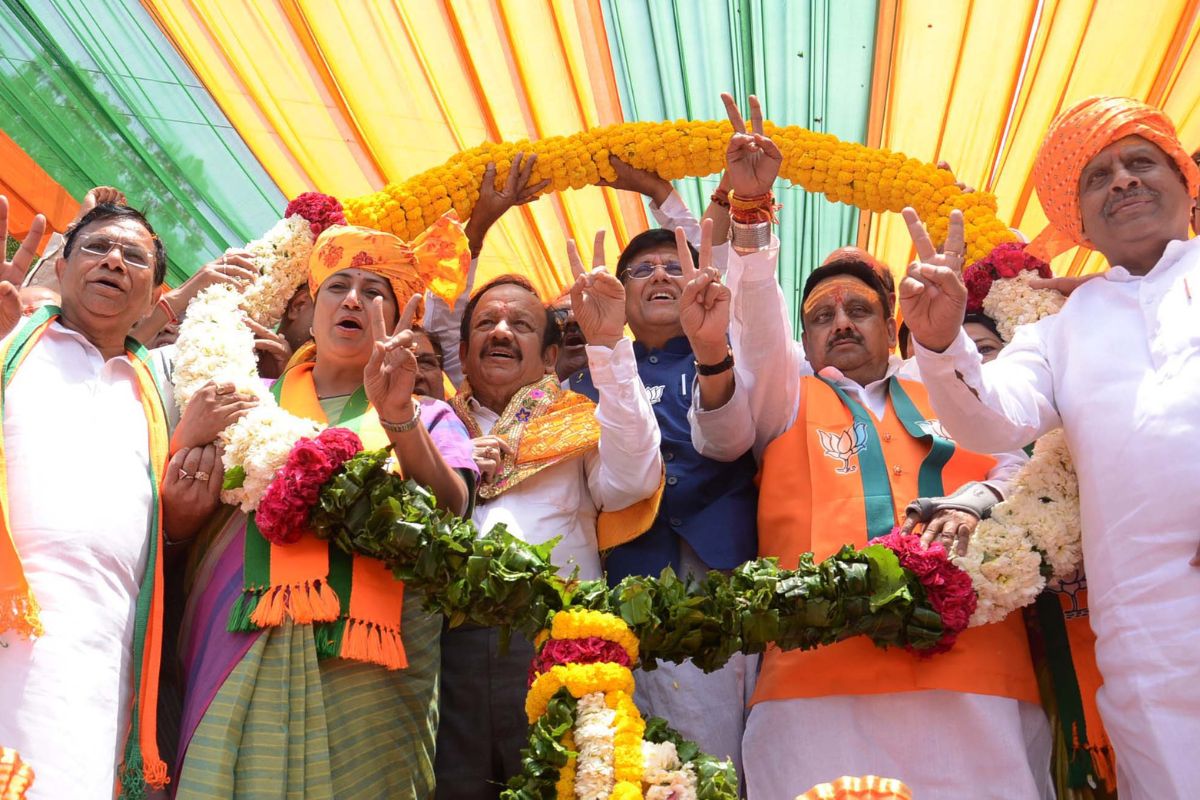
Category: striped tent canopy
[209,113]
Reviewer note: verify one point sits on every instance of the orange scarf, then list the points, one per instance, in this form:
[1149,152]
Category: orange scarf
[354,601]
[19,611]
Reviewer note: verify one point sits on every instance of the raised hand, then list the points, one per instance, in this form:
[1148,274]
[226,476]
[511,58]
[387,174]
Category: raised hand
[391,371]
[10,307]
[597,297]
[271,348]
[642,181]
[212,409]
[234,268]
[933,297]
[493,203]
[14,271]
[97,196]
[752,161]
[704,304]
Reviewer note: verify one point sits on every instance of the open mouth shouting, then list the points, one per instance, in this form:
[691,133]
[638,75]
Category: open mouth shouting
[349,325]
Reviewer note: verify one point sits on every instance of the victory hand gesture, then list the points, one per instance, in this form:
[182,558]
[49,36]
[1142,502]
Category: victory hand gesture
[597,298]
[752,161]
[933,297]
[704,304]
[14,271]
[392,369]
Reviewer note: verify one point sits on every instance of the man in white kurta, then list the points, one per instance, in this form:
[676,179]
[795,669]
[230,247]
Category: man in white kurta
[79,501]
[1119,369]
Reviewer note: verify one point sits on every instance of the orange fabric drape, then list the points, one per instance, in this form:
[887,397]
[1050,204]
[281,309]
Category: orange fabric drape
[31,191]
[977,83]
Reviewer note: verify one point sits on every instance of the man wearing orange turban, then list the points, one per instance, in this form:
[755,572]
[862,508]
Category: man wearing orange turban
[1118,369]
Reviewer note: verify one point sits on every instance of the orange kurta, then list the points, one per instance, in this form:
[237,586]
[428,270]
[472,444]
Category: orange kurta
[811,499]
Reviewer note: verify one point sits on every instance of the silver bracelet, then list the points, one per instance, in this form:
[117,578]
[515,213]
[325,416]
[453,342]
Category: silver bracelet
[403,427]
[751,237]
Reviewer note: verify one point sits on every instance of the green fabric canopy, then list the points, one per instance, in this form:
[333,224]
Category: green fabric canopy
[95,93]
[811,60]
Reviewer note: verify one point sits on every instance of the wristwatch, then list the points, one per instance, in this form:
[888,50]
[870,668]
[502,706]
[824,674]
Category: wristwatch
[718,368]
[403,427]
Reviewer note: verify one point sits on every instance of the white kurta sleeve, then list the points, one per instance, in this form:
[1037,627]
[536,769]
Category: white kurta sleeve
[445,324]
[674,213]
[628,465]
[999,406]
[725,433]
[768,360]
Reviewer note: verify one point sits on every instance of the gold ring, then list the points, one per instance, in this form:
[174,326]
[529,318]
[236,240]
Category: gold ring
[200,476]
[184,475]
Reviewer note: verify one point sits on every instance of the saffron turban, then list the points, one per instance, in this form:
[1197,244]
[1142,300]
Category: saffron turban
[437,260]
[1074,139]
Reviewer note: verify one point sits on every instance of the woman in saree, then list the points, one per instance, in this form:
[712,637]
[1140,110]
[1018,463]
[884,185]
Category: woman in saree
[309,672]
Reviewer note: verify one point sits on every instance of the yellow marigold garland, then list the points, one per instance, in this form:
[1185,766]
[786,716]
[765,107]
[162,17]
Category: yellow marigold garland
[579,680]
[846,172]
[583,624]
[630,728]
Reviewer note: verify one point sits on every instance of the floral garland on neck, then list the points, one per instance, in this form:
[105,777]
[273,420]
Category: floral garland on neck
[1035,535]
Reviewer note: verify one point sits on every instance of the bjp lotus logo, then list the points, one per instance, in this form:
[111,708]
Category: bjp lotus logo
[843,446]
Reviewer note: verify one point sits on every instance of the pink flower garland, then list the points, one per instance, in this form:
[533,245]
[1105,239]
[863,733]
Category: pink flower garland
[948,588]
[591,650]
[320,210]
[283,511]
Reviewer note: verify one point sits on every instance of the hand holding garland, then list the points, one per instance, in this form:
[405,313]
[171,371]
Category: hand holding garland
[494,203]
[642,181]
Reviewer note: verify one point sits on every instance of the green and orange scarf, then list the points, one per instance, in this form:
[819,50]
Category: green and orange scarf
[353,602]
[141,765]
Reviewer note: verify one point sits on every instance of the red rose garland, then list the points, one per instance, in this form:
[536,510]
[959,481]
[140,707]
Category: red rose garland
[283,511]
[591,650]
[1005,261]
[948,588]
[320,210]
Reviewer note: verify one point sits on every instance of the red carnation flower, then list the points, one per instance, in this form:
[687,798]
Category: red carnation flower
[320,210]
[979,283]
[592,650]
[281,515]
[283,511]
[948,588]
[341,444]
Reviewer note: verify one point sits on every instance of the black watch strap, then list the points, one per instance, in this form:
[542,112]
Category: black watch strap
[716,369]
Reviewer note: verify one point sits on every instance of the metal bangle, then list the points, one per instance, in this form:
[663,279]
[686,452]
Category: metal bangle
[748,238]
[403,427]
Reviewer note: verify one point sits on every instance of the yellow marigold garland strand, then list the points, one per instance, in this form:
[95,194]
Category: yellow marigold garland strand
[565,786]
[846,172]
[579,680]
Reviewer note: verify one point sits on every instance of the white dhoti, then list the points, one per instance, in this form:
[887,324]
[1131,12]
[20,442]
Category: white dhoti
[943,745]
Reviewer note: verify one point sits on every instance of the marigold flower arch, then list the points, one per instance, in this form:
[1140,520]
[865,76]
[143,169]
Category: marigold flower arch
[846,172]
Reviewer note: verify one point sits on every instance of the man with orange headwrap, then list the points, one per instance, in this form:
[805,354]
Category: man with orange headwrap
[1118,368]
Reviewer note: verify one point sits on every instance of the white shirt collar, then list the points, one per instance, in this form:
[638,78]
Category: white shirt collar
[1175,250]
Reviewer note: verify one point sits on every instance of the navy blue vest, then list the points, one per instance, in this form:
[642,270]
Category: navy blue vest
[713,505]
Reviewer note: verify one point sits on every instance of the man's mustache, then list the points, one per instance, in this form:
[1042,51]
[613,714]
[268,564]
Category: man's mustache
[844,337]
[1140,191]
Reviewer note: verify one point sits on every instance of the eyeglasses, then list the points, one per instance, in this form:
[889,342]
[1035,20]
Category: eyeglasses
[133,255]
[644,269]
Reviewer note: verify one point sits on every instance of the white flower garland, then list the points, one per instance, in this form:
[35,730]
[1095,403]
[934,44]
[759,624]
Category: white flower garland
[214,345]
[1038,523]
[663,776]
[595,727]
[281,256]
[1012,302]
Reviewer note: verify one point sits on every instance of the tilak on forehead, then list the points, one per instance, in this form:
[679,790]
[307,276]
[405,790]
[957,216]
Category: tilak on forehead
[840,289]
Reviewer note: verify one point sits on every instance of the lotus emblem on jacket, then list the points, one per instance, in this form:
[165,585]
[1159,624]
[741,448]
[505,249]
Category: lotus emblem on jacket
[844,445]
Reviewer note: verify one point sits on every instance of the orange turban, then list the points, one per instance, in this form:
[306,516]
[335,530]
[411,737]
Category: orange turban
[1074,139]
[437,260]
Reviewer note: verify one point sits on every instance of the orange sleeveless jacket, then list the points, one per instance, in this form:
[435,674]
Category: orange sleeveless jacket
[811,497]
